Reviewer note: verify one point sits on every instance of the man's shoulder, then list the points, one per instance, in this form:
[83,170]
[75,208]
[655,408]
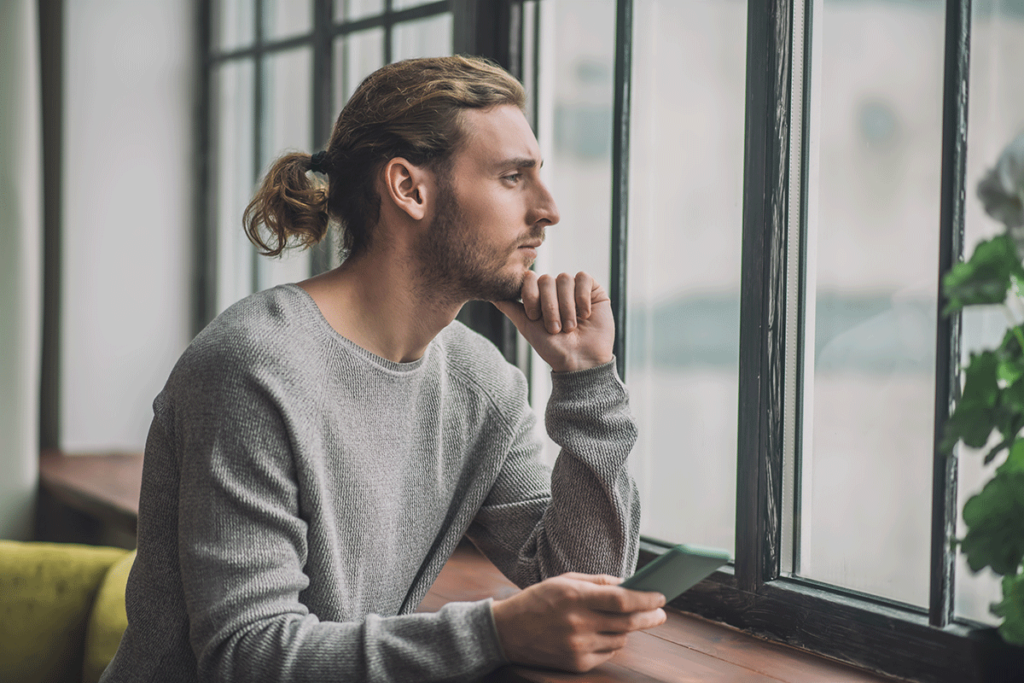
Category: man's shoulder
[477,363]
[270,328]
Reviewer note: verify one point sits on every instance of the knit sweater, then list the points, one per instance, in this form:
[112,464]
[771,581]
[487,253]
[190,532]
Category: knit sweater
[301,494]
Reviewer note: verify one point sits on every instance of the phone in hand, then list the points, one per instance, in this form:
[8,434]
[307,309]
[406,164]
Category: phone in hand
[677,570]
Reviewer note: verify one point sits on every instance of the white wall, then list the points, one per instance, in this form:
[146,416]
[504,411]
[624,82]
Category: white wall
[20,265]
[127,215]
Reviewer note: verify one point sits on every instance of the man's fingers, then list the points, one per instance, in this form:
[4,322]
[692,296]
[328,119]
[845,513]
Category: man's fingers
[583,290]
[549,304]
[634,621]
[530,295]
[566,301]
[622,600]
[600,579]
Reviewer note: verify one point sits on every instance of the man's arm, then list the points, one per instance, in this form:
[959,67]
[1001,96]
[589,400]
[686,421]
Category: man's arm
[574,621]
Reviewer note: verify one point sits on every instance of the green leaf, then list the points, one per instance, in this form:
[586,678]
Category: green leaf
[995,525]
[1010,370]
[1015,460]
[977,413]
[985,278]
[1011,609]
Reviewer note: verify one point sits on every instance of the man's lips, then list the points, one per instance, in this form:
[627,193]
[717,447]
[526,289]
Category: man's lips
[530,248]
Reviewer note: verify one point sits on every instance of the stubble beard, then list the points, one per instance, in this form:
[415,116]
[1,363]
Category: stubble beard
[454,266]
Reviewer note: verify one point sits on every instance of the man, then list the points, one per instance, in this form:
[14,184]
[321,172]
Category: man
[320,449]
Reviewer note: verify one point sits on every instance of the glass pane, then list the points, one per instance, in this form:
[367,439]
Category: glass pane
[235,22]
[872,245]
[403,4]
[996,116]
[233,96]
[685,235]
[287,126]
[355,57]
[347,10]
[577,66]
[286,18]
[430,37]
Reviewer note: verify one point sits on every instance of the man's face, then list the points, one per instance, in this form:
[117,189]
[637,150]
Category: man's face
[491,210]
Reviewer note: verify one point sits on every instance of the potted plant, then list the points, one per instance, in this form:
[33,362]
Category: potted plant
[993,402]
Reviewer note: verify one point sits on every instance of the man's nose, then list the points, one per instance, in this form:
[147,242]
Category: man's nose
[546,208]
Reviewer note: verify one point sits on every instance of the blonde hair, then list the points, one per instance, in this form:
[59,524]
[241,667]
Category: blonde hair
[409,109]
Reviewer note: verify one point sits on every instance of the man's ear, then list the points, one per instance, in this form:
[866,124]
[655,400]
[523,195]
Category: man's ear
[408,186]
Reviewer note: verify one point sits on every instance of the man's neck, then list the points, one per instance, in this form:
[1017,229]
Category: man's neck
[374,302]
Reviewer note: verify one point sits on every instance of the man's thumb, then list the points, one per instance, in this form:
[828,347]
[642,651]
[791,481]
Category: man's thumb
[514,311]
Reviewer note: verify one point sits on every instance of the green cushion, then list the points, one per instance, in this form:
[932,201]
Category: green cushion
[46,594]
[107,621]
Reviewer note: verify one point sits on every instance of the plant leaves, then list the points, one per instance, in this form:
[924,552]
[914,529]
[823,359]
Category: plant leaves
[976,414]
[995,525]
[1015,460]
[1011,609]
[985,278]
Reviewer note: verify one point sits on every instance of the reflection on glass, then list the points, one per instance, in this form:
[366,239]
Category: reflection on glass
[685,234]
[233,96]
[235,22]
[286,18]
[577,63]
[996,116]
[872,246]
[431,37]
[356,56]
[287,127]
[348,10]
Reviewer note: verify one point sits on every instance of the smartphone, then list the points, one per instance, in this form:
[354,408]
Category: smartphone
[677,570]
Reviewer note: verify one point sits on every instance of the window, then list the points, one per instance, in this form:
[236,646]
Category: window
[770,192]
[277,73]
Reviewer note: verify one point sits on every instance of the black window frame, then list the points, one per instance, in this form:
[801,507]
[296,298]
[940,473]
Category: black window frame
[871,632]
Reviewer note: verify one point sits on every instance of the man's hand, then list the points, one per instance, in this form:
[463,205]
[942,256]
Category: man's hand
[573,622]
[567,320]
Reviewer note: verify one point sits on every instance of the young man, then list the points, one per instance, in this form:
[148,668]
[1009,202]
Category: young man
[321,448]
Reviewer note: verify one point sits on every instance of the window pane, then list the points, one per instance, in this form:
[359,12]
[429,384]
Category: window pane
[430,37]
[685,235]
[356,57]
[235,24]
[996,116]
[577,66]
[233,97]
[872,245]
[286,18]
[402,4]
[357,9]
[287,126]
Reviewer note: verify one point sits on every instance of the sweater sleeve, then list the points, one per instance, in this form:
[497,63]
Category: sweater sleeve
[242,547]
[582,516]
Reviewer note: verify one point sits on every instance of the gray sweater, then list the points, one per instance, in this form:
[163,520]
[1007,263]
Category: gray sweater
[300,495]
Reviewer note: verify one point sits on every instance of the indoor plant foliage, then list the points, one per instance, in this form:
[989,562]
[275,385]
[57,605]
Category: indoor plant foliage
[993,393]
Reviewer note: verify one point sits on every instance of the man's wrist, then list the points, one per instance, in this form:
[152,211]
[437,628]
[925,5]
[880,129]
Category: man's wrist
[580,364]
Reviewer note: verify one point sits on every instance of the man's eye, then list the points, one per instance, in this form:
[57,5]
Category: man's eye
[514,177]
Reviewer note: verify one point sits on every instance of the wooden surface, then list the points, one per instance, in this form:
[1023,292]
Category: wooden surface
[103,486]
[684,649]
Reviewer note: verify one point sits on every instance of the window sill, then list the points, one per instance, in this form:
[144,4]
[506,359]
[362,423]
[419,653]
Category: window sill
[685,648]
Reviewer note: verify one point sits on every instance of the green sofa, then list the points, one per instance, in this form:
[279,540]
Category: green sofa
[61,610]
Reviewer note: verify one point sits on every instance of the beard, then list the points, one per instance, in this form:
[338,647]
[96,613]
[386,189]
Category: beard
[455,264]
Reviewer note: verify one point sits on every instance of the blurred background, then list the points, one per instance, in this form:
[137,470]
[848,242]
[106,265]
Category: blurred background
[133,134]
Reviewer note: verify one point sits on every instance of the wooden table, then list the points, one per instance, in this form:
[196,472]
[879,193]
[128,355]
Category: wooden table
[684,649]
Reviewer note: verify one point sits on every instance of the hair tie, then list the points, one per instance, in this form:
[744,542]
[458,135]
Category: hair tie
[316,162]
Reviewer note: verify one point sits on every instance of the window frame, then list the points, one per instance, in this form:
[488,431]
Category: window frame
[754,594]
